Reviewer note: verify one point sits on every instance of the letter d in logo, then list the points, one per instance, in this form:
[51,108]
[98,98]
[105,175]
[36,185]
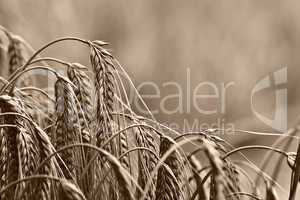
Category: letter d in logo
[279,122]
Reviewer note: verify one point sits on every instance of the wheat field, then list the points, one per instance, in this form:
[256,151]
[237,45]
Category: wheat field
[80,139]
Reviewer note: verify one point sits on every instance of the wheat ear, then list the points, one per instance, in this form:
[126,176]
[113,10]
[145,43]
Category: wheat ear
[69,191]
[67,125]
[83,93]
[147,161]
[169,181]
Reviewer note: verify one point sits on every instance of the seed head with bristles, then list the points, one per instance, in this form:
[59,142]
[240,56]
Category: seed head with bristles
[83,93]
[170,175]
[19,143]
[103,67]
[69,191]
[147,161]
[67,125]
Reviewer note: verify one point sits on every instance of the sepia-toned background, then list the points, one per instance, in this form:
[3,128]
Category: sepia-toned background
[158,41]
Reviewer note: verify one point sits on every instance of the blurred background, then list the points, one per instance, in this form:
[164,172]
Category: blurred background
[158,41]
